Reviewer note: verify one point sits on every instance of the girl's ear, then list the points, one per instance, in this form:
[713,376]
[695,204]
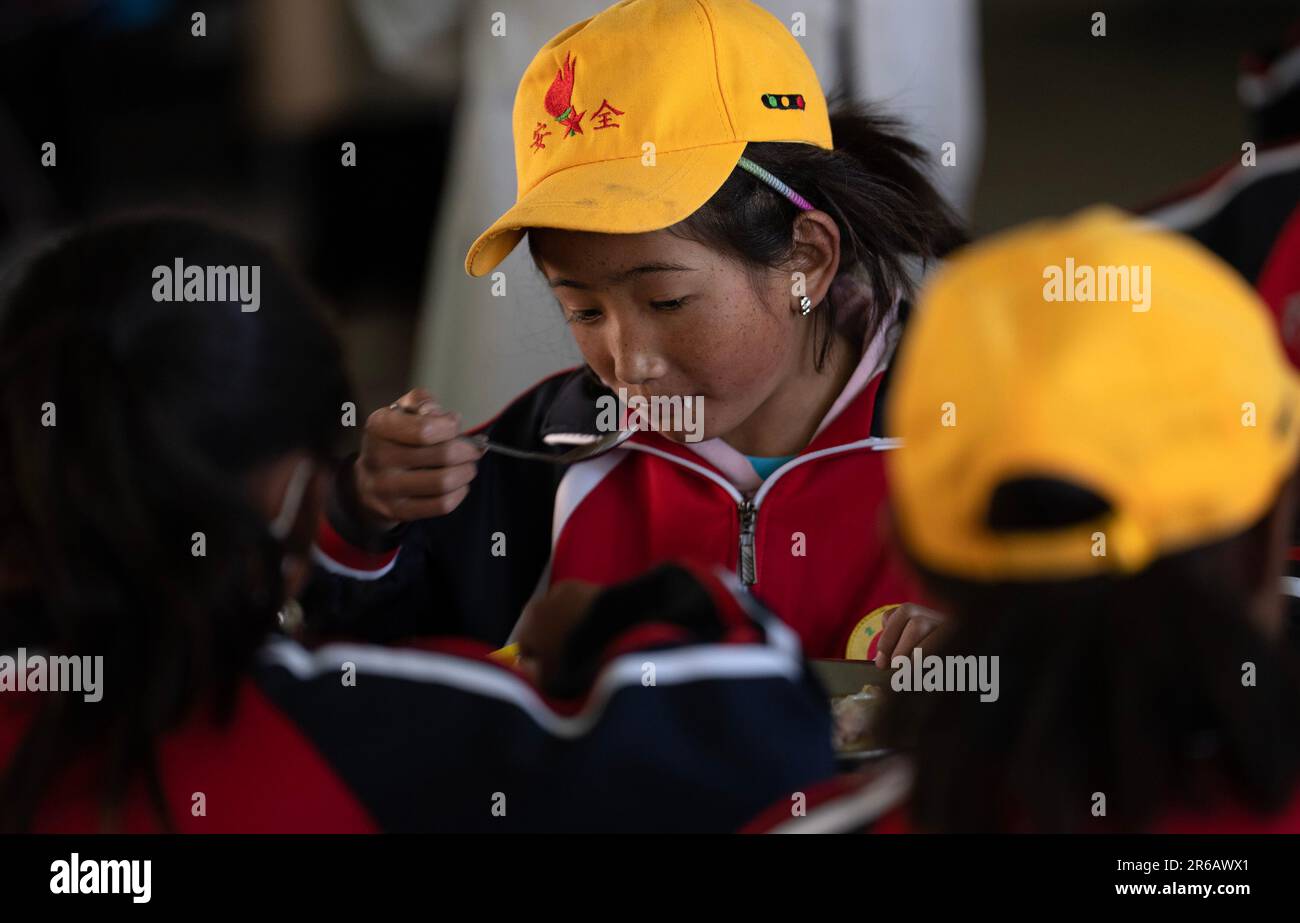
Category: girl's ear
[816,252]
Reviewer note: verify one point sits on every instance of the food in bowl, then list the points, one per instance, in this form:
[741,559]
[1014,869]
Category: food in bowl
[852,717]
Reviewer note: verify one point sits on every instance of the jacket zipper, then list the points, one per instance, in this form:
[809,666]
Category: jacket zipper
[747,565]
[747,507]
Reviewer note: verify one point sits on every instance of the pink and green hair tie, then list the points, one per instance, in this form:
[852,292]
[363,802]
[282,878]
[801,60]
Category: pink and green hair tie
[775,183]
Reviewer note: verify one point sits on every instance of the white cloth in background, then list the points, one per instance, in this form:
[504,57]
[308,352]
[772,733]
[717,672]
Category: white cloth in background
[476,351]
[920,59]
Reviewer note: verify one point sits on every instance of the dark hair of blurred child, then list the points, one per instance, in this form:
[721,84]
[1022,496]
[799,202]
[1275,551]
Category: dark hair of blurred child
[164,452]
[1107,512]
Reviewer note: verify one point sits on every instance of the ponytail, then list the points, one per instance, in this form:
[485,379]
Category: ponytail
[873,184]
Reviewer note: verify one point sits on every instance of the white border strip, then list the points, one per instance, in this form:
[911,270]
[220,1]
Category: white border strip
[779,634]
[1189,213]
[850,811]
[334,567]
[875,443]
[1258,90]
[579,481]
[672,668]
[685,463]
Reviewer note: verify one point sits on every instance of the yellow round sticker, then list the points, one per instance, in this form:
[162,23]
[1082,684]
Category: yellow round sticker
[866,634]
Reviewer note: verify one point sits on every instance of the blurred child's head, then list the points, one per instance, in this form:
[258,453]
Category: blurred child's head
[1097,483]
[683,207]
[161,465]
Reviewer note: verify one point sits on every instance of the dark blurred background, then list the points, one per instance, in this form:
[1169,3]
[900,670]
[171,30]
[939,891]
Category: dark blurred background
[247,125]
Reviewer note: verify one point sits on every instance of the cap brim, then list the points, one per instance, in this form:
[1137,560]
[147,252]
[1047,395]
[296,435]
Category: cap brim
[622,196]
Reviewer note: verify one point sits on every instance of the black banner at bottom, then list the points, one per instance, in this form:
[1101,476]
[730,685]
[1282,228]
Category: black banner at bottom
[332,873]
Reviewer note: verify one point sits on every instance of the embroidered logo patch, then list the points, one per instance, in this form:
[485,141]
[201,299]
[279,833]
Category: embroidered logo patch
[560,106]
[559,98]
[783,100]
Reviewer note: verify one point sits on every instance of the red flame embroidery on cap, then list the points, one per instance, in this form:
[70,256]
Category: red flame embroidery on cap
[559,98]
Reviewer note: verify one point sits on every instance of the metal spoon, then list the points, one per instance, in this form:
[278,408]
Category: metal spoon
[579,453]
[598,446]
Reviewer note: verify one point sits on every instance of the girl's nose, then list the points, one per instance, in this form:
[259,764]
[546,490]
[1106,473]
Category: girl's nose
[636,360]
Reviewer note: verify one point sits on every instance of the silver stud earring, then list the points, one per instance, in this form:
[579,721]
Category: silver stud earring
[805,306]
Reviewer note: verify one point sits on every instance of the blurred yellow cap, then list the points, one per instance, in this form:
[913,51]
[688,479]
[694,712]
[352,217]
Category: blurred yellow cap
[1099,351]
[630,121]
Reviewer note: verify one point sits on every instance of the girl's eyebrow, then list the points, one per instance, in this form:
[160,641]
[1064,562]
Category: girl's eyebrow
[624,276]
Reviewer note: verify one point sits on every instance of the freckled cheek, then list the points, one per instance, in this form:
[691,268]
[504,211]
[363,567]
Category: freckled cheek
[738,371]
[732,361]
[689,360]
[595,354]
[755,351]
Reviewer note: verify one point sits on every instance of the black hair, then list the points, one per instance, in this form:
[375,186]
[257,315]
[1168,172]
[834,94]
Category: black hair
[1128,686]
[873,184]
[161,408]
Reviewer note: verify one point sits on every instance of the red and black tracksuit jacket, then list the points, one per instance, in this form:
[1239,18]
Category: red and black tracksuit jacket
[876,801]
[809,542]
[696,713]
[1250,217]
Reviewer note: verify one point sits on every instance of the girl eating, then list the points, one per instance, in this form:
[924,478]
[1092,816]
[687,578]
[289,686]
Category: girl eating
[713,234]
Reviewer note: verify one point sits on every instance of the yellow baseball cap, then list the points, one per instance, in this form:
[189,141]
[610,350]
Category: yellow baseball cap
[1103,352]
[631,120]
